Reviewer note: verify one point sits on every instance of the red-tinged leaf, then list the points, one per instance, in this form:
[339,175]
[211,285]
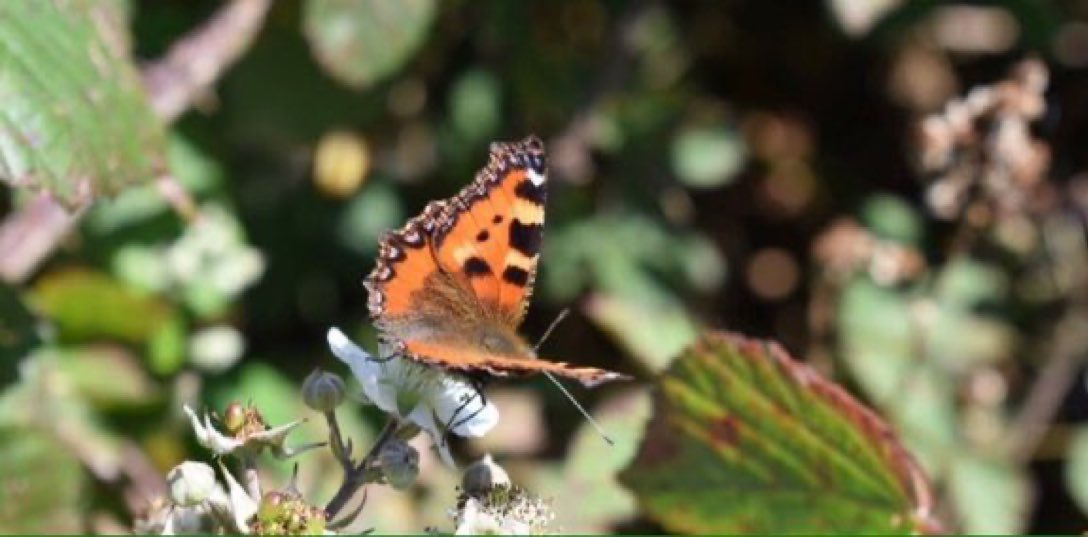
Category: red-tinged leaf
[746,440]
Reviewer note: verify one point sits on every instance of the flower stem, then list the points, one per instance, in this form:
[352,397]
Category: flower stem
[340,449]
[250,479]
[355,477]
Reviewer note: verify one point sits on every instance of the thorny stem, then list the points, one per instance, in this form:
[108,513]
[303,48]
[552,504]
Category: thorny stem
[355,476]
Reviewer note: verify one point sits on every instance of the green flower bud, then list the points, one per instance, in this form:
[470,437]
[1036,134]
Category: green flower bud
[190,483]
[400,463]
[323,391]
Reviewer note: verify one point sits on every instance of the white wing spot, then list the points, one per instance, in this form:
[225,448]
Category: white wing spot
[536,177]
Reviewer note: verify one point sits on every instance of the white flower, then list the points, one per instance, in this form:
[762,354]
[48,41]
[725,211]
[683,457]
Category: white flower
[233,507]
[435,401]
[472,519]
[271,438]
[503,510]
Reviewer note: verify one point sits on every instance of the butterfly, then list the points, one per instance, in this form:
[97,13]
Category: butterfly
[451,287]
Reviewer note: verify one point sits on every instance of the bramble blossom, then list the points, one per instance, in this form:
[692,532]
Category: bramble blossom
[434,400]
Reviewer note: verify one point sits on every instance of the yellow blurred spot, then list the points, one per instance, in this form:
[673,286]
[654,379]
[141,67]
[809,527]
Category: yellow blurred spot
[341,163]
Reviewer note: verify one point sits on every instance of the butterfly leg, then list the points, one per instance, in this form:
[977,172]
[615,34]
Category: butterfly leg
[478,386]
[383,359]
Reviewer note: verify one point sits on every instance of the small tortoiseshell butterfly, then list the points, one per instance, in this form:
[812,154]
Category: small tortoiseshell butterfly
[451,287]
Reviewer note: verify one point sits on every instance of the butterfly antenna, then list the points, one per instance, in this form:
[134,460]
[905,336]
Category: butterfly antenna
[600,430]
[551,328]
[593,422]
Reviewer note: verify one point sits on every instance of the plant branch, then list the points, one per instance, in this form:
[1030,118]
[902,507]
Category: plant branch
[358,475]
[1050,387]
[29,235]
[340,449]
[195,62]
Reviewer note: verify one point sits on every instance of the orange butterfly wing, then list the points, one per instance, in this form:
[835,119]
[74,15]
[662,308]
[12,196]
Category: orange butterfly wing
[405,260]
[484,243]
[471,360]
[487,236]
[491,231]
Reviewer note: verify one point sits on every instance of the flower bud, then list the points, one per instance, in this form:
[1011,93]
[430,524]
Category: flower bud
[323,391]
[190,483]
[271,505]
[400,463]
[483,475]
[284,513]
[234,417]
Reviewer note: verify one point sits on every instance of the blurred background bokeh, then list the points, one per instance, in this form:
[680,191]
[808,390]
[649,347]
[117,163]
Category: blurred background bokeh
[799,171]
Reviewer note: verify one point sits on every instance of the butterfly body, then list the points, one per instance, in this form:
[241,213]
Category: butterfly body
[451,287]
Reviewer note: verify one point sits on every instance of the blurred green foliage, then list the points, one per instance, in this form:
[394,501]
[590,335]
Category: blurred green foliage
[704,157]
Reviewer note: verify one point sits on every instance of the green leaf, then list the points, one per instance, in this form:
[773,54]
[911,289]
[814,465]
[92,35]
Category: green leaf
[475,107]
[707,157]
[890,218]
[361,43]
[967,283]
[878,334]
[991,497]
[85,305]
[746,440]
[42,485]
[1076,468]
[127,385]
[589,498]
[374,210]
[75,120]
[651,331]
[44,400]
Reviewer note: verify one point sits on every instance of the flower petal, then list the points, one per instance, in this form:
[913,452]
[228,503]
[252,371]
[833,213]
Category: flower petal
[365,368]
[242,506]
[463,409]
[208,436]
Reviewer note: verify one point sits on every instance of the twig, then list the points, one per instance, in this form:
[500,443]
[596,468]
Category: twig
[1066,354]
[195,62]
[1051,386]
[30,234]
[358,475]
[173,82]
